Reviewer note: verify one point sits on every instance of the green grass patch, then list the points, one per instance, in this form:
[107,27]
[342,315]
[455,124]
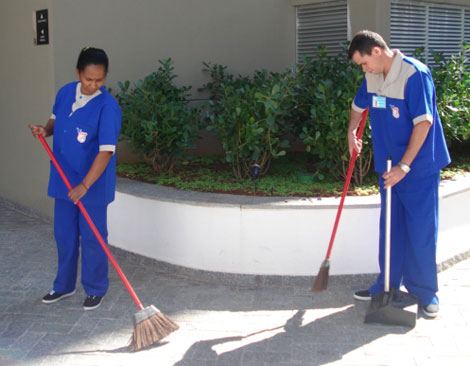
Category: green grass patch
[213,174]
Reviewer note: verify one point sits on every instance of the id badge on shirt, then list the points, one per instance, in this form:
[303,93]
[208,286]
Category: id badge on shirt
[379,102]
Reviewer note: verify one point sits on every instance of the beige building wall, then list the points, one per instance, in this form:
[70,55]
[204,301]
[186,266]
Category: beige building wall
[26,93]
[244,35]
[370,14]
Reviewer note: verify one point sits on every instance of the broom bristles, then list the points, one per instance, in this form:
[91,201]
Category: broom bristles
[151,326]
[321,281]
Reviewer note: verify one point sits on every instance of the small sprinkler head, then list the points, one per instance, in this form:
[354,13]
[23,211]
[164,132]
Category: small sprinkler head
[254,171]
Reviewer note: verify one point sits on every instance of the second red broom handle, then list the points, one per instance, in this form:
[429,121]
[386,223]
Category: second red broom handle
[346,184]
[92,226]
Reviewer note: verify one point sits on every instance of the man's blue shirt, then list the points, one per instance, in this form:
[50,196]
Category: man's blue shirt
[409,98]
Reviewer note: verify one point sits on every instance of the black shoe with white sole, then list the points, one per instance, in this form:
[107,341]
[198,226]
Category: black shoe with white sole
[363,295]
[92,302]
[53,297]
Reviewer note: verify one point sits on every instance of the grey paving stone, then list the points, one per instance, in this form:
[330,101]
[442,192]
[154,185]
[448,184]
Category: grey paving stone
[6,342]
[252,356]
[42,349]
[224,319]
[28,340]
[203,352]
[229,359]
[50,327]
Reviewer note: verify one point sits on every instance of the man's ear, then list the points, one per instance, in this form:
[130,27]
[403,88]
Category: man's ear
[376,51]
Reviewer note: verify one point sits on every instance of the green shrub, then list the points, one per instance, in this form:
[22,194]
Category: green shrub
[452,81]
[325,88]
[249,116]
[156,118]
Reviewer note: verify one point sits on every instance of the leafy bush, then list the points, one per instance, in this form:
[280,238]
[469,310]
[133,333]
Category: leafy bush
[156,118]
[252,116]
[452,81]
[249,116]
[325,88]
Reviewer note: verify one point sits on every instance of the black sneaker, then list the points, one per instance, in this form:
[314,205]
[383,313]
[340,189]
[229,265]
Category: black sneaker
[92,302]
[431,310]
[363,295]
[53,297]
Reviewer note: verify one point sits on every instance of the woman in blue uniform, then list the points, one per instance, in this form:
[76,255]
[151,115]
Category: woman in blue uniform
[85,124]
[400,94]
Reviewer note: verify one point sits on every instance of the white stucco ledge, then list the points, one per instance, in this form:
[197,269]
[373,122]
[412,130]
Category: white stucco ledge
[267,236]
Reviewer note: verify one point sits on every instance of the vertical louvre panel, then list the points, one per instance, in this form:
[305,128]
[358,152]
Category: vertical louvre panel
[407,27]
[445,30]
[467,26]
[321,24]
[434,27]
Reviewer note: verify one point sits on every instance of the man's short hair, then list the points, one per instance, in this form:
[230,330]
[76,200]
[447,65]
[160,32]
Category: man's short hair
[364,41]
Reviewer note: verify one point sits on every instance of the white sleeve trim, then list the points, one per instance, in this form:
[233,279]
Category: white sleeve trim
[356,108]
[111,148]
[52,116]
[422,118]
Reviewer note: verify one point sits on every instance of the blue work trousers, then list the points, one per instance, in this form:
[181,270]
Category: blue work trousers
[414,229]
[70,230]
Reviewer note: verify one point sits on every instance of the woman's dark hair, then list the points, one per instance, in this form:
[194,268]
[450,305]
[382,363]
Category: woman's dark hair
[92,56]
[364,41]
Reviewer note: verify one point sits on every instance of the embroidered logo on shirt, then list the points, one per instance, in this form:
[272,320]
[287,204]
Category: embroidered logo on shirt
[395,111]
[81,137]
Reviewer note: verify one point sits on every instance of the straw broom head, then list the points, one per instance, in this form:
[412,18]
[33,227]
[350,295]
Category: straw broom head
[321,281]
[150,326]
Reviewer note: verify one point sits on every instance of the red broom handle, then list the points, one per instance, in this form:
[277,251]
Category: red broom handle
[346,184]
[92,226]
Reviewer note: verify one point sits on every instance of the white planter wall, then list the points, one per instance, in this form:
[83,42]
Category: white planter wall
[267,237]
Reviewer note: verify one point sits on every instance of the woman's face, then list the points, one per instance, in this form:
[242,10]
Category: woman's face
[92,78]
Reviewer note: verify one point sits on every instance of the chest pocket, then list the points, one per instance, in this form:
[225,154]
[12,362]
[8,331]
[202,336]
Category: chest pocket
[80,140]
[86,124]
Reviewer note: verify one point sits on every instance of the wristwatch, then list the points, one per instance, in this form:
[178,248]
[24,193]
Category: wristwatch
[404,167]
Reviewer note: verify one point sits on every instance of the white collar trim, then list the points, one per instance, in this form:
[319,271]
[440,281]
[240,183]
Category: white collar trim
[82,99]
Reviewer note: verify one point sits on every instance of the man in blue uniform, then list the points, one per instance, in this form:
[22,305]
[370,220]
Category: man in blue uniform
[400,94]
[85,123]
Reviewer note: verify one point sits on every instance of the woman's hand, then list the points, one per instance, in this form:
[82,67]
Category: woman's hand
[46,130]
[77,193]
[97,168]
[38,130]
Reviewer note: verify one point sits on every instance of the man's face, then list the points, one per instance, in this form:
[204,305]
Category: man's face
[370,63]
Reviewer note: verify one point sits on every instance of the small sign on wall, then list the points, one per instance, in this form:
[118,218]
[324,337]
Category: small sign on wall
[41,27]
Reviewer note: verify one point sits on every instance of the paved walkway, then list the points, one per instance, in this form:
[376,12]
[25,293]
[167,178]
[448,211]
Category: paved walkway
[220,324]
